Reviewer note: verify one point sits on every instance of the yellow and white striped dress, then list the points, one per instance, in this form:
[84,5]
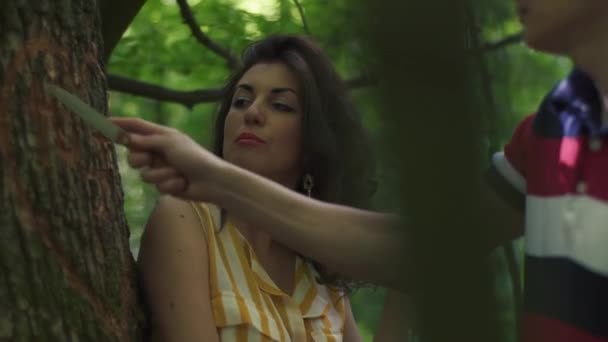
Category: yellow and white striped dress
[248,306]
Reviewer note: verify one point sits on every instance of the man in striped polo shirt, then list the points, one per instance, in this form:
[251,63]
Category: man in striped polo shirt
[556,166]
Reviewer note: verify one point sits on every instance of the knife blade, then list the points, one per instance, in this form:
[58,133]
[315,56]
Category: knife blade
[89,115]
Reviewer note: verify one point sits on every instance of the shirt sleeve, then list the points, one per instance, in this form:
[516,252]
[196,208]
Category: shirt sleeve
[507,173]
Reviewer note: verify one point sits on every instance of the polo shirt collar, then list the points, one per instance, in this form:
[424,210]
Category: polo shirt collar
[577,102]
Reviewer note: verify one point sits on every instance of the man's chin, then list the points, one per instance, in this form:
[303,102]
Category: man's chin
[545,42]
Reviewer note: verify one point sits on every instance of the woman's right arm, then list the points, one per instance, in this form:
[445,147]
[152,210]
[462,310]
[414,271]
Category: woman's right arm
[174,267]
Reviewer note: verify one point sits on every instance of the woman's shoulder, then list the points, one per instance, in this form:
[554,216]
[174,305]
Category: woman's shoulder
[187,213]
[174,221]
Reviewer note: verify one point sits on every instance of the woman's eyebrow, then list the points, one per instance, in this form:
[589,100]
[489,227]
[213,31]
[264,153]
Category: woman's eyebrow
[282,90]
[249,88]
[245,86]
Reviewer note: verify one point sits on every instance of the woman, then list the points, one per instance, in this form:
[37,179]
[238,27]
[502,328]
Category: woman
[214,275]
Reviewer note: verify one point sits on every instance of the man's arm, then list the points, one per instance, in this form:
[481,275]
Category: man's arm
[502,210]
[355,243]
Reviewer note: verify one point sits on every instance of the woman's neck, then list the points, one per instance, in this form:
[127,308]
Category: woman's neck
[277,260]
[258,239]
[263,244]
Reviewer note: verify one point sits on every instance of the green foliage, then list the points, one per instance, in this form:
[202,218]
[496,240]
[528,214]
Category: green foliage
[159,48]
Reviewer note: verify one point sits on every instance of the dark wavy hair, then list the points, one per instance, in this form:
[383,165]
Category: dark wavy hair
[335,148]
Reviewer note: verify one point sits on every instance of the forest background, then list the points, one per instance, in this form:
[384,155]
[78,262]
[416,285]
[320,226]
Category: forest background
[161,72]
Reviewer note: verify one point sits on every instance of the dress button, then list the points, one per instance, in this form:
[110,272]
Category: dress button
[595,144]
[581,187]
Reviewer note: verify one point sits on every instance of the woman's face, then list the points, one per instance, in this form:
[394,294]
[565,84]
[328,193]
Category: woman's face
[262,131]
[558,25]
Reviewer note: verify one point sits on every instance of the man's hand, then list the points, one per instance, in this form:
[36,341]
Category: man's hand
[171,160]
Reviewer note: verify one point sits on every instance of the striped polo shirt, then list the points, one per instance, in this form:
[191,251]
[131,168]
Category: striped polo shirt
[249,306]
[556,166]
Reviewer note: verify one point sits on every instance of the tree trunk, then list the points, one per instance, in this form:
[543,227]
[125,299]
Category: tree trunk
[66,272]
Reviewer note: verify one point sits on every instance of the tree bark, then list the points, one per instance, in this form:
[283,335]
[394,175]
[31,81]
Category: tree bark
[66,272]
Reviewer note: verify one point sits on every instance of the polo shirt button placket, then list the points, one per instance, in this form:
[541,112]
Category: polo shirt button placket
[569,218]
[581,187]
[569,221]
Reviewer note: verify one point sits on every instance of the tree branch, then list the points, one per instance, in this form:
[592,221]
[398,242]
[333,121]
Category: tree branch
[302,16]
[143,89]
[188,17]
[190,98]
[508,40]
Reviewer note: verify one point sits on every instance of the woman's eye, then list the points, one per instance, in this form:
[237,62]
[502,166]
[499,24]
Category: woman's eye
[282,107]
[240,102]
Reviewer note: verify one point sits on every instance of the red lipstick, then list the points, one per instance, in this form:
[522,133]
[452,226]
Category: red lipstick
[247,138]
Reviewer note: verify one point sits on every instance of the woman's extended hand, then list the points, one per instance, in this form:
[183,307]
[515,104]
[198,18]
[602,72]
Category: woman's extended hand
[170,159]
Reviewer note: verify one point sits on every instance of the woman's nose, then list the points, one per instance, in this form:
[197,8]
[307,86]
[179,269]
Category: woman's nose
[254,115]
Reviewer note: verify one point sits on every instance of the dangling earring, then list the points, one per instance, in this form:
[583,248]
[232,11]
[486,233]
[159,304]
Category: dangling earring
[308,184]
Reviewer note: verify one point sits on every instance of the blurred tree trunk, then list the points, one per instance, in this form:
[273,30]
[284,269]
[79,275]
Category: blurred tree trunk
[432,134]
[66,272]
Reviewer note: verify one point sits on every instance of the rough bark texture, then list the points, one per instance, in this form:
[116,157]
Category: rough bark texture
[66,272]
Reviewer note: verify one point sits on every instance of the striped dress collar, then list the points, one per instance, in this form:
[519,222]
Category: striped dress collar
[311,297]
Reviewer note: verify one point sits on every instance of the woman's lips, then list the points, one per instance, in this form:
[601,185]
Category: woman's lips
[249,139]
